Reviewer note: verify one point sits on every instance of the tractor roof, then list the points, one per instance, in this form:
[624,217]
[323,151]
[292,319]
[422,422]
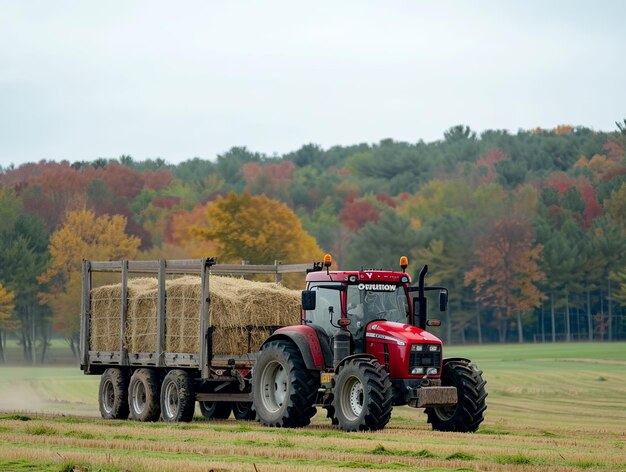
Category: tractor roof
[363,275]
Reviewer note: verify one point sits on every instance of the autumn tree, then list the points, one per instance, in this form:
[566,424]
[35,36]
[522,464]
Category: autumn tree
[6,318]
[23,256]
[257,229]
[506,273]
[83,236]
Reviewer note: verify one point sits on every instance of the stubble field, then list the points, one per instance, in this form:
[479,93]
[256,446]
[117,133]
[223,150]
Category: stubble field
[550,407]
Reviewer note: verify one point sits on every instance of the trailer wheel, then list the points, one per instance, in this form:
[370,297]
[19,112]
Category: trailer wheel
[113,394]
[243,411]
[362,397]
[143,395]
[283,389]
[215,410]
[467,414]
[177,397]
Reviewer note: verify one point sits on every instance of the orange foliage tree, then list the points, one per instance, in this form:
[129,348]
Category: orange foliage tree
[506,272]
[257,229]
[6,315]
[83,236]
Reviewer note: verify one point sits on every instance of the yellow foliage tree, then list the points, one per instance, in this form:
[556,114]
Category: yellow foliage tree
[257,229]
[83,236]
[6,315]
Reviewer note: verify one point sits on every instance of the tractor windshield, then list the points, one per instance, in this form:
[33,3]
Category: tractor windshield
[366,305]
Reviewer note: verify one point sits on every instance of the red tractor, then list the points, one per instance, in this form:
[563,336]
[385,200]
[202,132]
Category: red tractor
[362,347]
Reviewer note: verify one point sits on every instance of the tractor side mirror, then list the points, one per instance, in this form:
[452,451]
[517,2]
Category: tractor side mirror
[308,300]
[443,300]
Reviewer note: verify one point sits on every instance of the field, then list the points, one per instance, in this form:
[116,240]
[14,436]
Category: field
[551,407]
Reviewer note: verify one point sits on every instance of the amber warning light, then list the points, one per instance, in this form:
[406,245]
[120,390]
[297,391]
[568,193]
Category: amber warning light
[328,260]
[404,263]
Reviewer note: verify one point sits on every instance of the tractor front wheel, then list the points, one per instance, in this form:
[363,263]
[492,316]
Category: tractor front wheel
[283,389]
[467,414]
[362,398]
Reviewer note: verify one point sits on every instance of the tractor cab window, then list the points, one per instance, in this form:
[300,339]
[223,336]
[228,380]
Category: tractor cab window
[365,306]
[325,299]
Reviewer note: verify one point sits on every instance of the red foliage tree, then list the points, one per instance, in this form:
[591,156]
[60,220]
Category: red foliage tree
[357,213]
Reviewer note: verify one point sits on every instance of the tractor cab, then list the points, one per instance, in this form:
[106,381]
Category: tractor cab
[352,300]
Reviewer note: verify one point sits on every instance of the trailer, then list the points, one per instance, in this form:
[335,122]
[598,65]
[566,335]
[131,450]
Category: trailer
[154,384]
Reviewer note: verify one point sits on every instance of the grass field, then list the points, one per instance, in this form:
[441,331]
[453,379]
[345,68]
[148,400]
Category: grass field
[551,407]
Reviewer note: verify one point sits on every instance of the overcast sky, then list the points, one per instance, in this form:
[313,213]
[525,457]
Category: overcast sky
[86,79]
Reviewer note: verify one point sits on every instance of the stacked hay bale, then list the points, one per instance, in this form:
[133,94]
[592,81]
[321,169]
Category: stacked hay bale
[242,314]
[106,316]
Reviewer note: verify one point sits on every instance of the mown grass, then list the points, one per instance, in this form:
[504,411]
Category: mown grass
[551,407]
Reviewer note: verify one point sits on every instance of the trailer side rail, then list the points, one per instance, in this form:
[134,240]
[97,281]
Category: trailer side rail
[161,268]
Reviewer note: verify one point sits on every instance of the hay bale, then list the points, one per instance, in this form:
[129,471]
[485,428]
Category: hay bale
[141,317]
[182,314]
[241,313]
[105,317]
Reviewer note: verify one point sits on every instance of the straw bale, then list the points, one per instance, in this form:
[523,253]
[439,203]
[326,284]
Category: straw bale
[241,313]
[141,318]
[105,318]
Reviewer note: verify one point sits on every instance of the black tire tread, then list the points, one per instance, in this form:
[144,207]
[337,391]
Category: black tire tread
[377,391]
[152,383]
[472,394]
[243,411]
[215,410]
[119,379]
[186,395]
[303,392]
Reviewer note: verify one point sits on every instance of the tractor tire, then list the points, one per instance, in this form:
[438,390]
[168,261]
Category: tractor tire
[283,389]
[215,410]
[178,399]
[362,396]
[467,414]
[113,394]
[243,411]
[143,395]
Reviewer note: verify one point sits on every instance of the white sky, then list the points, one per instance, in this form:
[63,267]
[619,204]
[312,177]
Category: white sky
[86,79]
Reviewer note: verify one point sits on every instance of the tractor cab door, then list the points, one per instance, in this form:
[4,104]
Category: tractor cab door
[324,317]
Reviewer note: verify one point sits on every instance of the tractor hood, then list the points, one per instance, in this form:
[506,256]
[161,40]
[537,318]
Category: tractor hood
[392,344]
[398,333]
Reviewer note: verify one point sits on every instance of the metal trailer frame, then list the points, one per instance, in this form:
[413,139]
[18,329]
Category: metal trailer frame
[201,361]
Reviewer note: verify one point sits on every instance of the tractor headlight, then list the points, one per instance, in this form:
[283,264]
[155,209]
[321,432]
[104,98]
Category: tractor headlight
[433,347]
[432,371]
[417,347]
[417,371]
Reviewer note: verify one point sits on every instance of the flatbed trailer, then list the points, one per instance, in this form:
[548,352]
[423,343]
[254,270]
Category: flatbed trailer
[206,377]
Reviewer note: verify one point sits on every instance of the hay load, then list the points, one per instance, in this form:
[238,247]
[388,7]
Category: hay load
[242,314]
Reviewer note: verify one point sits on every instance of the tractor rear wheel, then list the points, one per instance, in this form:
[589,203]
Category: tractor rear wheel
[243,411]
[177,397]
[363,396]
[215,410]
[143,395]
[113,394]
[467,414]
[283,389]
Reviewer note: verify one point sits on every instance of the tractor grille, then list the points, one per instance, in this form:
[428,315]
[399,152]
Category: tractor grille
[425,357]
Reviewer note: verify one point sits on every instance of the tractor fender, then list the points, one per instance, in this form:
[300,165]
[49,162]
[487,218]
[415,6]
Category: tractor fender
[353,356]
[449,359]
[307,342]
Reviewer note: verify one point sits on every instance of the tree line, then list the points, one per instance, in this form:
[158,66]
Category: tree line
[526,229]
